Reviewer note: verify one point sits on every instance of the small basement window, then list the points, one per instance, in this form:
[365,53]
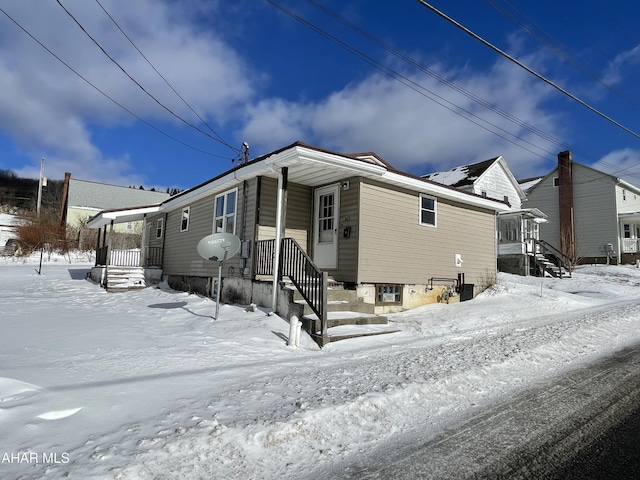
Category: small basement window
[389,294]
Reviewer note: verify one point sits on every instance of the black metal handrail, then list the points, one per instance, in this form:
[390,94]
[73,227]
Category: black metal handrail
[153,257]
[265,252]
[310,281]
[102,255]
[562,261]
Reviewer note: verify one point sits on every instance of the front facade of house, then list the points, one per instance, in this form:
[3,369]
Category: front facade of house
[593,216]
[397,239]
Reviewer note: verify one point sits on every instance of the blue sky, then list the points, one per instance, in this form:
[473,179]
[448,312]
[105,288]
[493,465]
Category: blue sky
[352,76]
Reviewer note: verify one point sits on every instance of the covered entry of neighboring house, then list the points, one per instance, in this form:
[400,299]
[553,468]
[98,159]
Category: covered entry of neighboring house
[326,219]
[629,237]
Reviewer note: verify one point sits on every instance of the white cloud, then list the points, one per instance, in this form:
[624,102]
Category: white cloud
[614,73]
[412,132]
[47,108]
[623,164]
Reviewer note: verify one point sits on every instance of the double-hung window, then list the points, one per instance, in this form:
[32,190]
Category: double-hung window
[159,227]
[427,211]
[224,220]
[184,221]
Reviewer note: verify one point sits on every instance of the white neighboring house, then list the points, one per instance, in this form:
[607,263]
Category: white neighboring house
[518,229]
[85,199]
[593,216]
[7,229]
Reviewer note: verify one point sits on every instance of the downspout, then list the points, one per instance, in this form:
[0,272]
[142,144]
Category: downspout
[280,212]
[164,238]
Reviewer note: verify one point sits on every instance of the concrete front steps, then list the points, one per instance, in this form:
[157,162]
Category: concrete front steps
[347,317]
[123,279]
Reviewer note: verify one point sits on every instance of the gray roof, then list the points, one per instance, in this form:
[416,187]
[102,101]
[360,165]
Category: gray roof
[101,196]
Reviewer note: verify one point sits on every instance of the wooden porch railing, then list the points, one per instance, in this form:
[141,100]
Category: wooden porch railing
[310,281]
[630,245]
[121,258]
[125,258]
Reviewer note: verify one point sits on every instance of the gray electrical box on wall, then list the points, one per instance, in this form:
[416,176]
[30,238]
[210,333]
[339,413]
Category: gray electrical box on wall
[245,249]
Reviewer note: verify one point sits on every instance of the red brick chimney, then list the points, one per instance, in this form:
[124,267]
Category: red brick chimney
[65,200]
[565,199]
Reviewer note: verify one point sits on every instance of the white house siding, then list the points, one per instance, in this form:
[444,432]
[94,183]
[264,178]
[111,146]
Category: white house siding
[395,248]
[627,200]
[496,183]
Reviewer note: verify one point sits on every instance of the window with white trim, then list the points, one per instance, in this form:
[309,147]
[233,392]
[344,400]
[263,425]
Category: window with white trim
[427,210]
[184,219]
[224,220]
[159,227]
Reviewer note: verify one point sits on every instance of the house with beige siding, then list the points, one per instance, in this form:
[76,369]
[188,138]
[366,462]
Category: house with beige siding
[325,220]
[518,228]
[594,217]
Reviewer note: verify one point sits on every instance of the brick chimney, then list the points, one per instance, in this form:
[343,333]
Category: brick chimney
[565,199]
[65,200]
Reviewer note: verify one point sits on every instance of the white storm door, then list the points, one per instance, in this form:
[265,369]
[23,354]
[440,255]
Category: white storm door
[326,215]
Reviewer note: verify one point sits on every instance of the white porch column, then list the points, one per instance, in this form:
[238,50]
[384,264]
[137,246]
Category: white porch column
[280,225]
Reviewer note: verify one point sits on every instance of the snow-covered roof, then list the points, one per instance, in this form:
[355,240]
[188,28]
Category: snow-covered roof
[463,175]
[528,183]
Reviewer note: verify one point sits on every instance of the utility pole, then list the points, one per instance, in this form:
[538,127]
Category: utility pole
[42,182]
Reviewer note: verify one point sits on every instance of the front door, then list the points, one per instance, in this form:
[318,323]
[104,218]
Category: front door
[326,215]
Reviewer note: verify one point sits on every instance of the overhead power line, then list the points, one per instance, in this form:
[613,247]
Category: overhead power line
[528,69]
[160,75]
[434,97]
[542,134]
[53,54]
[115,62]
[559,50]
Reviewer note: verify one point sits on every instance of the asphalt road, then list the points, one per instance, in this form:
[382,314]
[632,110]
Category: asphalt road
[584,424]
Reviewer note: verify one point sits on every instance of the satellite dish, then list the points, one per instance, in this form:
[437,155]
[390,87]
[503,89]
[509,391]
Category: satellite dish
[219,247]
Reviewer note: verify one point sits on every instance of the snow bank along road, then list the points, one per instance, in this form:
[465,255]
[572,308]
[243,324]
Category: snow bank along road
[145,385]
[555,430]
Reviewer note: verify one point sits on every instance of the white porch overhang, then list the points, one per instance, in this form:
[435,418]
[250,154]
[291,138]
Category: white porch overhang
[528,214]
[107,217]
[632,217]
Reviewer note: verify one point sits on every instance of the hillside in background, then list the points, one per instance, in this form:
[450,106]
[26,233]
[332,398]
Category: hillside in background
[21,194]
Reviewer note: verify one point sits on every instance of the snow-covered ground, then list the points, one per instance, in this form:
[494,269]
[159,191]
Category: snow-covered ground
[145,384]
